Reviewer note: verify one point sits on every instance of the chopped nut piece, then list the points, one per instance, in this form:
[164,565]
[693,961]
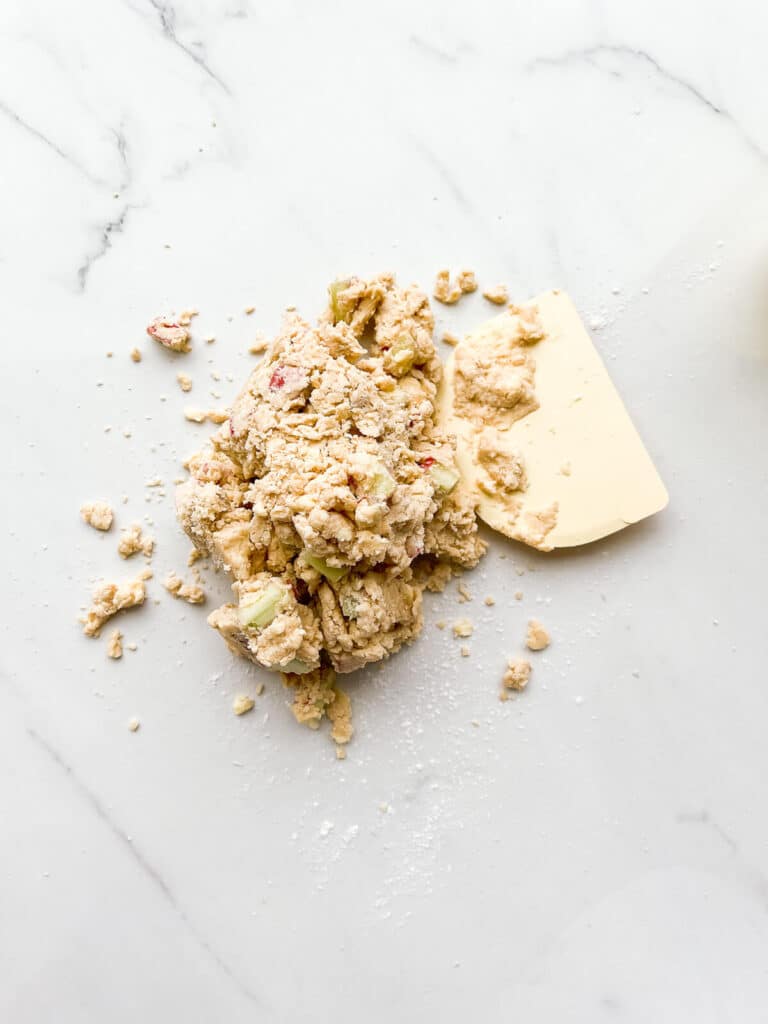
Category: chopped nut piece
[517,674]
[242,704]
[201,415]
[443,290]
[171,334]
[450,338]
[115,645]
[185,382]
[537,638]
[111,598]
[259,689]
[134,724]
[466,281]
[132,541]
[498,294]
[135,355]
[190,592]
[463,628]
[490,601]
[97,514]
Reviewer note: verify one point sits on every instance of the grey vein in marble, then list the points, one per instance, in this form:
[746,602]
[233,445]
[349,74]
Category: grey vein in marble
[146,867]
[37,134]
[167,15]
[112,227]
[704,818]
[591,55]
[434,51]
[453,186]
[122,152]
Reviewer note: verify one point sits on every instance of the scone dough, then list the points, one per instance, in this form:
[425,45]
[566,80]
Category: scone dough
[330,495]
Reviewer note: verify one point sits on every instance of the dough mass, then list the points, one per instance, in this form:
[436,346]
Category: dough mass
[330,495]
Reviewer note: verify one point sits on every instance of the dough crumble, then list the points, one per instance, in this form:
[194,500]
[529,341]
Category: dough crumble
[97,514]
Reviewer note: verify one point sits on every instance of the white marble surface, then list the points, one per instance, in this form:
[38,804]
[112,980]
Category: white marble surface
[597,850]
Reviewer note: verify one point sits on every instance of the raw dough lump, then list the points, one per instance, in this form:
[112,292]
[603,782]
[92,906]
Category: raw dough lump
[329,495]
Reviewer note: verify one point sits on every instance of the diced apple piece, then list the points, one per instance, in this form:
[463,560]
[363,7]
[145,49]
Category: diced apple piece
[257,611]
[296,667]
[339,309]
[445,479]
[331,572]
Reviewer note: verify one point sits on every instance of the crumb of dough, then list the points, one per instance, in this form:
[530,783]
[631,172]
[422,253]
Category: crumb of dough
[134,724]
[259,689]
[466,281]
[193,593]
[185,382]
[450,338]
[464,593]
[432,575]
[132,646]
[341,753]
[489,601]
[97,514]
[248,310]
[260,344]
[194,556]
[503,696]
[444,291]
[565,469]
[115,644]
[241,705]
[464,651]
[155,481]
[110,354]
[210,339]
[170,333]
[517,674]
[136,355]
[318,495]
[186,315]
[201,415]
[498,294]
[537,638]
[463,628]
[518,595]
[441,624]
[314,693]
[132,541]
[340,716]
[111,598]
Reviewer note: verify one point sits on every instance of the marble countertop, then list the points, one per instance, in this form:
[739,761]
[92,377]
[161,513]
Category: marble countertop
[598,848]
